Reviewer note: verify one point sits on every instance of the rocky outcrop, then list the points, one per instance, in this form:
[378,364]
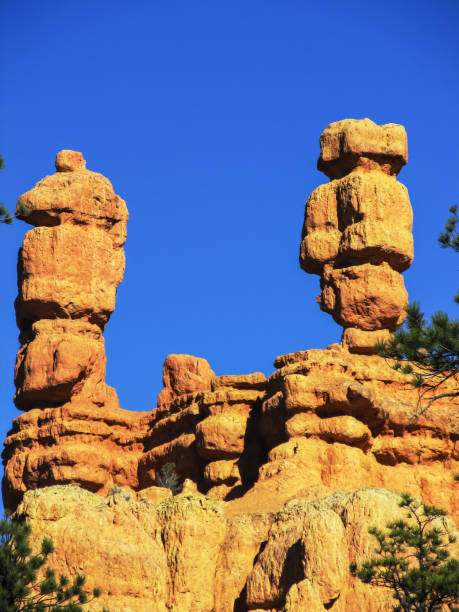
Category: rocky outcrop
[344,421]
[245,439]
[325,420]
[357,230]
[184,374]
[190,552]
[272,508]
[207,427]
[69,268]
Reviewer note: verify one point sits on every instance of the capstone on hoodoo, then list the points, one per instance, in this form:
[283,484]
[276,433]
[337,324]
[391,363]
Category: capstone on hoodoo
[357,230]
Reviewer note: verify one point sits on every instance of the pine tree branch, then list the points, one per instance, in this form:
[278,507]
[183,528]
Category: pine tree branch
[431,401]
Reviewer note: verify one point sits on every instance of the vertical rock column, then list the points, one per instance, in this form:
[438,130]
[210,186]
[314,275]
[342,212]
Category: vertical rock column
[357,230]
[69,268]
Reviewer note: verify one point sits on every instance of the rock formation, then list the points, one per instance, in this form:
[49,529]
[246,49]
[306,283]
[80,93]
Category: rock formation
[193,553]
[69,268]
[357,230]
[272,508]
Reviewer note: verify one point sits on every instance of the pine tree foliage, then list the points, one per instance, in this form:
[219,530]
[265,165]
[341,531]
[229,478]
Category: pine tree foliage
[5,215]
[449,238]
[20,589]
[412,559]
[429,352]
[168,477]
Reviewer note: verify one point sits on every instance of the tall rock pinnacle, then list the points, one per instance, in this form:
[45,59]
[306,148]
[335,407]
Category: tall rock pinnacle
[357,230]
[69,268]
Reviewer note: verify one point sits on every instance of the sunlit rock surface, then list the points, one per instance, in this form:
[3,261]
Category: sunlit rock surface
[283,474]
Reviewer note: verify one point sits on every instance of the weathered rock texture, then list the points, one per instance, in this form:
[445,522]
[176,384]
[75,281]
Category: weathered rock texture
[259,525]
[325,420]
[69,268]
[268,531]
[357,230]
[192,553]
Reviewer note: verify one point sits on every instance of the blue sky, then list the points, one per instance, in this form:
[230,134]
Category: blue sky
[206,118]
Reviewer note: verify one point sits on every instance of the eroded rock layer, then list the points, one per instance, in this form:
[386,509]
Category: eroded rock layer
[325,420]
[357,230]
[194,553]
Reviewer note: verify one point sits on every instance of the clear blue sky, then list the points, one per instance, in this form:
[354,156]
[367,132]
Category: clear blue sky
[206,118]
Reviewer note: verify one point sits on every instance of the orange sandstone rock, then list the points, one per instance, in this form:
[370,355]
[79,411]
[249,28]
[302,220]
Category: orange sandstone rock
[282,475]
[69,270]
[188,553]
[184,374]
[155,494]
[62,359]
[221,436]
[344,429]
[74,443]
[67,161]
[359,341]
[365,296]
[75,196]
[357,228]
[202,427]
[222,472]
[326,420]
[255,381]
[114,541]
[343,145]
[374,210]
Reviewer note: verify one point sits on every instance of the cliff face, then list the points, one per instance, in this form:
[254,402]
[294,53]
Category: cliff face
[194,553]
[260,524]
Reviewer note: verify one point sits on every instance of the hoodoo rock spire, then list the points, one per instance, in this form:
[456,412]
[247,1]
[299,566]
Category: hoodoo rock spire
[357,230]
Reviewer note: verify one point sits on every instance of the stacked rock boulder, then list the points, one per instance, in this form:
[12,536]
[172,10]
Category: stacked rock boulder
[69,268]
[357,230]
